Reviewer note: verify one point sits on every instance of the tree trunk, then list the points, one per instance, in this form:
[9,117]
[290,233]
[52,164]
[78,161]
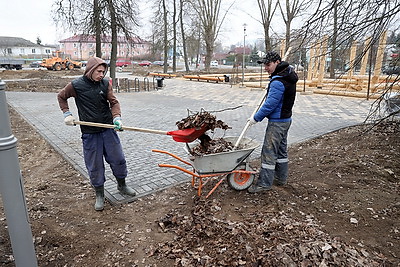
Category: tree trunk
[183,38]
[114,39]
[334,41]
[174,38]
[97,26]
[165,35]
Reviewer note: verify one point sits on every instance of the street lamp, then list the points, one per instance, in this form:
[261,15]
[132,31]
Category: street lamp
[244,52]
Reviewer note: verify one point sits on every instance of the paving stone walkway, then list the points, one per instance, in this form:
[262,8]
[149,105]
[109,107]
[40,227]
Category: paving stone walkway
[313,115]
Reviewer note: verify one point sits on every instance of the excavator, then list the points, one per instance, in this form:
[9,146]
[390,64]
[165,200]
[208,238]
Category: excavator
[60,62]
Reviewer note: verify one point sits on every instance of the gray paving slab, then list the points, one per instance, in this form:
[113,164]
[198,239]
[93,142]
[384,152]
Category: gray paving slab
[314,115]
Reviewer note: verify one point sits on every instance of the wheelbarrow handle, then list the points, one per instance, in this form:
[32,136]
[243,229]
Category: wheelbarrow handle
[110,126]
[246,127]
[179,168]
[172,155]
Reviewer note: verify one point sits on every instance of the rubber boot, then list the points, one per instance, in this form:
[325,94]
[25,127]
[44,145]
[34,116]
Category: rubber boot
[124,189]
[99,205]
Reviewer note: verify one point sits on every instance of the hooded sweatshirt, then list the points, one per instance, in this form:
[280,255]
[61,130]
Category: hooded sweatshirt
[281,95]
[95,101]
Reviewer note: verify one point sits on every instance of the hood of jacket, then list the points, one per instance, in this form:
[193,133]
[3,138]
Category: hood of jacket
[285,71]
[92,64]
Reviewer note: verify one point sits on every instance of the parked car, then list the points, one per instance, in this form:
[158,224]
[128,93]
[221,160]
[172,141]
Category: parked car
[122,63]
[214,63]
[391,70]
[145,63]
[159,63]
[35,64]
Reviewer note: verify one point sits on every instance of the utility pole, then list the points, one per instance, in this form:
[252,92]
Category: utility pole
[244,52]
[11,191]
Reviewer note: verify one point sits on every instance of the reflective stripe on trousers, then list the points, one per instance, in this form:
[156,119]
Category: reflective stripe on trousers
[274,157]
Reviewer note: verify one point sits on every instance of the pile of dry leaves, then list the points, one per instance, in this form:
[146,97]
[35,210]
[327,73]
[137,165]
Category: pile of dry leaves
[201,119]
[264,239]
[209,122]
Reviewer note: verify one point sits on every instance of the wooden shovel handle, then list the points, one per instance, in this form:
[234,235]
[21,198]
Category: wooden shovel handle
[110,126]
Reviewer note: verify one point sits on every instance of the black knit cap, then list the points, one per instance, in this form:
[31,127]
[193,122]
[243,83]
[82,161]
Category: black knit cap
[270,56]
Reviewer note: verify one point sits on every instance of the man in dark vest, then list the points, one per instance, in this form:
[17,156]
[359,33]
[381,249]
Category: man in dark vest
[96,102]
[278,109]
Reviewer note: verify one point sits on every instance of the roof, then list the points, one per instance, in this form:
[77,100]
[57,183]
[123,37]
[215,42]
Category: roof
[6,41]
[86,38]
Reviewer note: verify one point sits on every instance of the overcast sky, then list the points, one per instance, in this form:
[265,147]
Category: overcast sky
[31,18]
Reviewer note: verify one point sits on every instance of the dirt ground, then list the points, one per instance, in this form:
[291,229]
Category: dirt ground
[341,207]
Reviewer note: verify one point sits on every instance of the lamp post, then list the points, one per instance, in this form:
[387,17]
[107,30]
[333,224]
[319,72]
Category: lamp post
[244,52]
[12,193]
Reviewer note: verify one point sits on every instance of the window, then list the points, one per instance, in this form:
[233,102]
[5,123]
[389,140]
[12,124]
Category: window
[90,45]
[33,51]
[75,53]
[47,51]
[22,50]
[91,54]
[9,51]
[75,45]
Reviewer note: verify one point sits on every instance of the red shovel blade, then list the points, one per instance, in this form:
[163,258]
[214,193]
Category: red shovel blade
[187,135]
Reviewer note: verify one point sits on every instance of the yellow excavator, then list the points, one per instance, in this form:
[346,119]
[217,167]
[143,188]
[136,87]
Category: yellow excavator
[60,62]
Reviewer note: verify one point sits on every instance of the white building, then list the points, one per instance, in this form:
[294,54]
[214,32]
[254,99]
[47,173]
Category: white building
[16,47]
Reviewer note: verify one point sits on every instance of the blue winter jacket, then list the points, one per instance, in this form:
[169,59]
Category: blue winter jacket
[281,95]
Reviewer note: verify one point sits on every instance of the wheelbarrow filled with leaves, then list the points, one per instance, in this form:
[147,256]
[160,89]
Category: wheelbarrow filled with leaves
[230,164]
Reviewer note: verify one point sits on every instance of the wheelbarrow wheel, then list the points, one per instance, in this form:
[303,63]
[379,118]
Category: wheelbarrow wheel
[240,181]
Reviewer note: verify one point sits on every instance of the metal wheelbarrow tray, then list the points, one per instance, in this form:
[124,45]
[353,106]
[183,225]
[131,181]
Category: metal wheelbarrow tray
[224,161]
[231,165]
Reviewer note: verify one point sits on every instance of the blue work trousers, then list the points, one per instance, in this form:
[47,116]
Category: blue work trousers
[105,144]
[274,156]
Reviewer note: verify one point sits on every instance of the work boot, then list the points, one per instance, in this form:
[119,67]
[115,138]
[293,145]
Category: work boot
[124,189]
[99,205]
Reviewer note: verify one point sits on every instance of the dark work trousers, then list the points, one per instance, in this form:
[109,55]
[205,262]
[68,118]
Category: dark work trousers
[105,144]
[274,155]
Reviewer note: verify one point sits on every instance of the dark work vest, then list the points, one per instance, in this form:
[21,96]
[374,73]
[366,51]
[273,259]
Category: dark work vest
[92,104]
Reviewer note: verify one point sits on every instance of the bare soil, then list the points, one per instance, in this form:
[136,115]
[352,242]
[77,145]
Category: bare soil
[341,207]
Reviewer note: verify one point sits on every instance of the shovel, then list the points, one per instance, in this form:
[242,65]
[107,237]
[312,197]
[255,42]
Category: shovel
[184,136]
[246,127]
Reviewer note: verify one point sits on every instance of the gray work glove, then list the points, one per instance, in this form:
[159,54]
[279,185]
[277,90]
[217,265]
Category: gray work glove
[117,123]
[251,121]
[69,119]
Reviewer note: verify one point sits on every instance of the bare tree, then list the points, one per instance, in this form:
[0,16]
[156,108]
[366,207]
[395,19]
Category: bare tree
[99,17]
[165,19]
[185,56]
[356,20]
[289,12]
[267,9]
[208,12]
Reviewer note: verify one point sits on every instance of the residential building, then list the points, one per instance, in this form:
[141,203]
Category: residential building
[82,47]
[16,47]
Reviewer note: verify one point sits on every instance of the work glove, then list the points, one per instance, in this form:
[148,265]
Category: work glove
[69,119]
[117,123]
[251,121]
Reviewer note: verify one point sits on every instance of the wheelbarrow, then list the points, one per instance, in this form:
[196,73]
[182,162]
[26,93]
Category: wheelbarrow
[232,166]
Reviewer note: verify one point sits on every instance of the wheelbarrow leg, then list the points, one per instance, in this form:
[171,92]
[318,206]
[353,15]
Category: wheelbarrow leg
[200,186]
[215,187]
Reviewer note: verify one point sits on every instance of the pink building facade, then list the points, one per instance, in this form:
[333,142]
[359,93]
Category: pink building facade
[82,47]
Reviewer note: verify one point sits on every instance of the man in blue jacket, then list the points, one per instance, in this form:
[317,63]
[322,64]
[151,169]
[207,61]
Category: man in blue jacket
[278,109]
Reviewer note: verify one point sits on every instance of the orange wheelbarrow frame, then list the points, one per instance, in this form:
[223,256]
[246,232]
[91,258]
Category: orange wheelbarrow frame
[240,176]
